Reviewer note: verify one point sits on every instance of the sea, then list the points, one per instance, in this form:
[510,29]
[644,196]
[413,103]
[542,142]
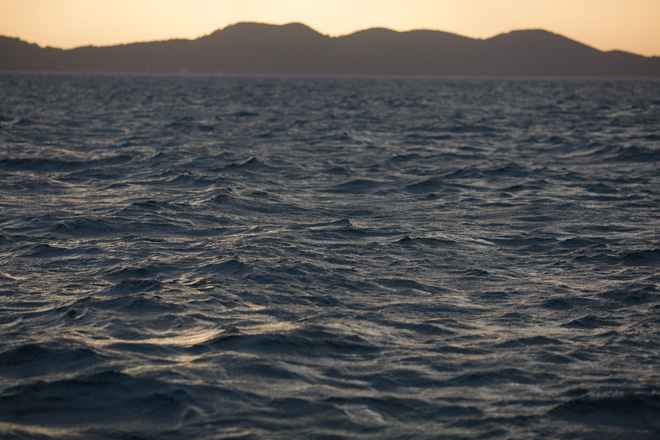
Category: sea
[246,257]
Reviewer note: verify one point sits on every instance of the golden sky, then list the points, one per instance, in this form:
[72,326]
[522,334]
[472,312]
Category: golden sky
[631,25]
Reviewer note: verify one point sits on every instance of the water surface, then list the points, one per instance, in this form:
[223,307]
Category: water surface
[226,257]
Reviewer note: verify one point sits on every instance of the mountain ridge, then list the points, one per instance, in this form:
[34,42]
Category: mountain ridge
[297,49]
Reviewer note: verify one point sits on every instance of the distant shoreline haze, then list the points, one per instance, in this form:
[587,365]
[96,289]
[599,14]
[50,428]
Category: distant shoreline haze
[296,49]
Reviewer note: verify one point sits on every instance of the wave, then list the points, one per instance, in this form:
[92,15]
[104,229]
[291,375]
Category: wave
[639,411]
[50,165]
[105,398]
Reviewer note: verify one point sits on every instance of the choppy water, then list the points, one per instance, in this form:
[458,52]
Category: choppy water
[216,257]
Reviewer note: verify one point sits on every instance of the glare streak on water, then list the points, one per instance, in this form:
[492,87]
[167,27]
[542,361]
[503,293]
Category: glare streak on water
[216,257]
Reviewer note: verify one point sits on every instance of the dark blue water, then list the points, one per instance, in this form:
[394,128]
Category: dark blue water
[218,257]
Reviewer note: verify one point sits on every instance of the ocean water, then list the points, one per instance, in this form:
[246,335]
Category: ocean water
[328,258]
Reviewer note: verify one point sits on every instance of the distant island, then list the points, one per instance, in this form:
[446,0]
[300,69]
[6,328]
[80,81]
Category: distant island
[296,49]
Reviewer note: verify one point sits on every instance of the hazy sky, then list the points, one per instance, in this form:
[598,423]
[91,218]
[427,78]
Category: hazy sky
[631,25]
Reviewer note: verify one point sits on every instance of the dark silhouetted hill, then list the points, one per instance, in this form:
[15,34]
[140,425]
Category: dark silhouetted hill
[295,49]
